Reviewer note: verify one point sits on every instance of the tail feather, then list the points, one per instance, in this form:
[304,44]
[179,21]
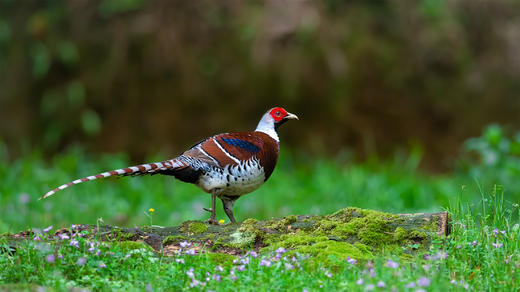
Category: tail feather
[143,169]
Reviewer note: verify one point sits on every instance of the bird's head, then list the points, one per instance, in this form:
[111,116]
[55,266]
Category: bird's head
[273,119]
[280,116]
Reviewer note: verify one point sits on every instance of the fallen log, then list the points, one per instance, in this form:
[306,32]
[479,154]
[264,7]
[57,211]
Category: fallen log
[348,233]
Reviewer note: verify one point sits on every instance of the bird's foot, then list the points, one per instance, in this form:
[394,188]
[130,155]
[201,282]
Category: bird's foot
[212,221]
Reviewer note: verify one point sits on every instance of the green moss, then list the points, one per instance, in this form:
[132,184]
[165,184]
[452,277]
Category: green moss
[363,248]
[326,225]
[321,248]
[220,258]
[249,221]
[248,225]
[173,239]
[370,227]
[325,250]
[406,237]
[432,225]
[210,236]
[242,239]
[120,235]
[400,234]
[295,240]
[127,246]
[283,223]
[351,232]
[195,227]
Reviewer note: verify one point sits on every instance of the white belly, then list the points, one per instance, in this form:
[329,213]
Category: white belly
[233,180]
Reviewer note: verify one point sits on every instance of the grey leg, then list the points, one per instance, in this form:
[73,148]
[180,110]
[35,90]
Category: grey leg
[213,218]
[228,203]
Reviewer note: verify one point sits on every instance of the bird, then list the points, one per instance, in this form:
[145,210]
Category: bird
[226,165]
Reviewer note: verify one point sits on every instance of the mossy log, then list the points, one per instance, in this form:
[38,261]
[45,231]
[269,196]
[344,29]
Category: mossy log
[350,232]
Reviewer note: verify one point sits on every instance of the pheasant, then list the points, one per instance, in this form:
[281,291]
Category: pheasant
[227,165]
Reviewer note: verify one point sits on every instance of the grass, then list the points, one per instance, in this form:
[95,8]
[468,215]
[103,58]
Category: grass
[482,253]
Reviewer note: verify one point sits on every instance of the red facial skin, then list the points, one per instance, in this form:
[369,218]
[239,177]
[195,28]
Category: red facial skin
[278,114]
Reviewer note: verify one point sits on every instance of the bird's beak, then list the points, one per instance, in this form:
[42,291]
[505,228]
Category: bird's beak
[290,116]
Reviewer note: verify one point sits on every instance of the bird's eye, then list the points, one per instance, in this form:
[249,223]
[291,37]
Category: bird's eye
[277,113]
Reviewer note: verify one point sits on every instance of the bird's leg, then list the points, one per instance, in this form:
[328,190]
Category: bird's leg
[213,218]
[228,203]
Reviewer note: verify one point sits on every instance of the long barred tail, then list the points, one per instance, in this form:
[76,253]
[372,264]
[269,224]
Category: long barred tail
[143,169]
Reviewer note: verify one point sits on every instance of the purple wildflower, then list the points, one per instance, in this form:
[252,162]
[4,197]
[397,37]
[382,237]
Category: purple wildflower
[442,255]
[149,287]
[410,285]
[190,274]
[63,236]
[127,256]
[264,262]
[191,251]
[474,243]
[503,232]
[369,287]
[234,278]
[328,274]
[60,256]
[244,261]
[47,229]
[98,252]
[253,254]
[497,245]
[37,237]
[281,250]
[102,265]
[216,278]
[24,198]
[495,231]
[184,244]
[458,246]
[391,264]
[241,268]
[351,261]
[465,285]
[423,282]
[372,273]
[81,261]
[360,281]
[288,266]
[50,258]
[74,243]
[92,247]
[194,283]
[180,261]
[219,269]
[381,284]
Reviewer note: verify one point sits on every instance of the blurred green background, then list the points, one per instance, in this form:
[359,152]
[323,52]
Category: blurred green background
[388,94]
